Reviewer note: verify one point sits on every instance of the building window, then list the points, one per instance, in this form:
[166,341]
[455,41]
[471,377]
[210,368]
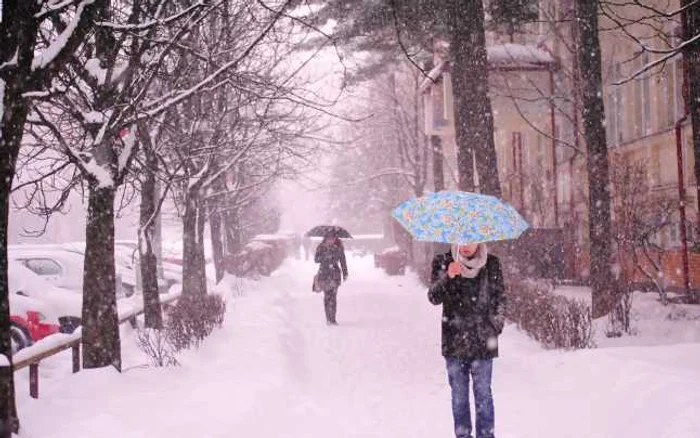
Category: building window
[642,99]
[438,93]
[646,97]
[676,105]
[614,120]
[674,234]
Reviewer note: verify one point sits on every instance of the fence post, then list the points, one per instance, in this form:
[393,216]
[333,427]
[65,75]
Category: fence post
[76,357]
[34,380]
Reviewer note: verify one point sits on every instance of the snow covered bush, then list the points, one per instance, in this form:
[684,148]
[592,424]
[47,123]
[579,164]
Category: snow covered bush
[193,318]
[158,347]
[552,320]
[256,259]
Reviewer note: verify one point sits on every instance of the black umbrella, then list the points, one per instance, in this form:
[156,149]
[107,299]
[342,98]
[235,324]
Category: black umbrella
[328,230]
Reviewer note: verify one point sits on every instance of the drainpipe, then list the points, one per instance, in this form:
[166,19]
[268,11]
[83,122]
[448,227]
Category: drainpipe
[681,204]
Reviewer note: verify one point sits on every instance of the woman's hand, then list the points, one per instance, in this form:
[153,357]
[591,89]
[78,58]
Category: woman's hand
[454,269]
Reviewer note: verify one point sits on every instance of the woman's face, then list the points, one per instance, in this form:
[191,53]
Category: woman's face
[468,250]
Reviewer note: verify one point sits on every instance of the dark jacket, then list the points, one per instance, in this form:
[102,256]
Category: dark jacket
[472,309]
[332,260]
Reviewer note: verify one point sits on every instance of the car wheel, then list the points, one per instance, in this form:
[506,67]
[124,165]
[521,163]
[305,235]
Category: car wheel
[19,337]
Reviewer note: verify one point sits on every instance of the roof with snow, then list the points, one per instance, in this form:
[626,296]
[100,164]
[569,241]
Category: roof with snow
[505,57]
[519,56]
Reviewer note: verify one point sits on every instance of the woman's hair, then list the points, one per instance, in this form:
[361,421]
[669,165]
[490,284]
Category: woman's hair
[334,239]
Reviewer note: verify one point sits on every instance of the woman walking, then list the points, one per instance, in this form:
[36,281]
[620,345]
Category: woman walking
[330,254]
[468,283]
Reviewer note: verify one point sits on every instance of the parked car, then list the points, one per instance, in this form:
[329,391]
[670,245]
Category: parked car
[126,254]
[62,266]
[27,323]
[38,308]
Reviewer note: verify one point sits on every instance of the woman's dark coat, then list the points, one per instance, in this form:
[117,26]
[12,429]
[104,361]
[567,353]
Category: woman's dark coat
[332,263]
[472,309]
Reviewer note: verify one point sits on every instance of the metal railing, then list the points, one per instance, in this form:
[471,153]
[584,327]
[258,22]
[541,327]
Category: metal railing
[53,344]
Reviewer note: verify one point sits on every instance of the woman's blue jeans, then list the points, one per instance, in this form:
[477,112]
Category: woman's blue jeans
[459,372]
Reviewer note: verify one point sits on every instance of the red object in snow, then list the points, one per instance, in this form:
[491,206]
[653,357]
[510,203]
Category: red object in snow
[34,326]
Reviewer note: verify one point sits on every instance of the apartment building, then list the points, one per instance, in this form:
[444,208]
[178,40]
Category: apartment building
[538,133]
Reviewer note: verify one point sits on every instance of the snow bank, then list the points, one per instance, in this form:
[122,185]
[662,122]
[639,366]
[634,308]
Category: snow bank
[48,343]
[652,322]
[275,369]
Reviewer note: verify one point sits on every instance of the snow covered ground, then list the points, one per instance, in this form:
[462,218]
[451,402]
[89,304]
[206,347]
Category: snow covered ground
[277,370]
[652,323]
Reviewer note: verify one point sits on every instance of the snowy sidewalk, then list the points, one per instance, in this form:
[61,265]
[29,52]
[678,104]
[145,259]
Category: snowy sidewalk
[277,370]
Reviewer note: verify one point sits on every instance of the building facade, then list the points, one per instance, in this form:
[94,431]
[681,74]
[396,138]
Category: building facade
[538,131]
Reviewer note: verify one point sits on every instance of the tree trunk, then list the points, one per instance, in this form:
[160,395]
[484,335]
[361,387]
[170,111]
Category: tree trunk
[472,105]
[215,223]
[234,239]
[438,169]
[201,258]
[8,413]
[217,243]
[148,260]
[691,56]
[438,176]
[18,37]
[589,58]
[9,142]
[193,275]
[101,343]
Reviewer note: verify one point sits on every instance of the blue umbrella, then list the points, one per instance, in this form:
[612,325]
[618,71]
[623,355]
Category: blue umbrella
[460,217]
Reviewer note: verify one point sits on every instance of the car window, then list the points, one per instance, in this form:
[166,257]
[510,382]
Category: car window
[43,266]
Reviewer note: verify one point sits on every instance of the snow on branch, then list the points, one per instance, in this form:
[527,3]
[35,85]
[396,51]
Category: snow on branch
[150,24]
[655,10]
[650,65]
[11,63]
[49,54]
[54,7]
[100,174]
[186,94]
[230,163]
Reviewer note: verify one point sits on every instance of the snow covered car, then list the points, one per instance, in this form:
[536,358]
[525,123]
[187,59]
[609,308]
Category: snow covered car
[62,265]
[127,255]
[37,308]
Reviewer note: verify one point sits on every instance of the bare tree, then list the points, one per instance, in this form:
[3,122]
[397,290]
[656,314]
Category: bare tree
[641,218]
[663,33]
[589,60]
[94,124]
[149,212]
[236,138]
[410,29]
[36,41]
[386,156]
